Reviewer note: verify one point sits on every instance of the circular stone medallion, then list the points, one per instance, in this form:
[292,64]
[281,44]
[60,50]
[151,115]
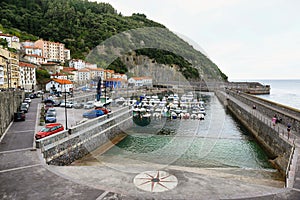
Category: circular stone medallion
[155,181]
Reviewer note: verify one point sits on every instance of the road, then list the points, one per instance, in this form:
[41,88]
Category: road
[23,175]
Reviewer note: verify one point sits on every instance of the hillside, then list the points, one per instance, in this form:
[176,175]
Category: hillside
[83,25]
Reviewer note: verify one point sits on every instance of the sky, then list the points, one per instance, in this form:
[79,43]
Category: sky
[247,39]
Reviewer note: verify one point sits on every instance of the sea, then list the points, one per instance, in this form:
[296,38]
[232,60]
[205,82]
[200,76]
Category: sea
[286,92]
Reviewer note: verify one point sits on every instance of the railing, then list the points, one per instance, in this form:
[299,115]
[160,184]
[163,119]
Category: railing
[288,166]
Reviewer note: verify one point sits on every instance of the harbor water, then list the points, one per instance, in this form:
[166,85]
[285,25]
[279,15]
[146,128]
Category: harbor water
[219,141]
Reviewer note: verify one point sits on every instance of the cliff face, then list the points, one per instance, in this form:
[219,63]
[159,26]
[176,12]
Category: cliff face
[144,66]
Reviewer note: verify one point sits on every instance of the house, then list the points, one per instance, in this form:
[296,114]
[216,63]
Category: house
[77,64]
[9,69]
[140,81]
[72,73]
[52,51]
[108,73]
[12,41]
[96,73]
[59,86]
[118,75]
[58,75]
[27,75]
[115,83]
[84,76]
[34,58]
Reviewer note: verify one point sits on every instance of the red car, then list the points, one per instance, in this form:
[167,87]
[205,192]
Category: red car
[105,110]
[49,129]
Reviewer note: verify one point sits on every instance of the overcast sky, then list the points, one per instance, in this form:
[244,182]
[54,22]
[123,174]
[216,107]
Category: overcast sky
[247,39]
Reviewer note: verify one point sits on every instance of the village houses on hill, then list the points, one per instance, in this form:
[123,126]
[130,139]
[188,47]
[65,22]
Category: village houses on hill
[20,60]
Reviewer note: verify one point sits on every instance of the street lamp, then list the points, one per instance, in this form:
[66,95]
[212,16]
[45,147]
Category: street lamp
[66,115]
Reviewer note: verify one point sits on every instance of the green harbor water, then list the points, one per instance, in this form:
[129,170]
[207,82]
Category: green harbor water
[216,142]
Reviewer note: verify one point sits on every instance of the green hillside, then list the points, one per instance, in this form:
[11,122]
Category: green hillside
[82,25]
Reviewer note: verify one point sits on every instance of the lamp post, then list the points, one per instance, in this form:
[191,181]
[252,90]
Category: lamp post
[66,115]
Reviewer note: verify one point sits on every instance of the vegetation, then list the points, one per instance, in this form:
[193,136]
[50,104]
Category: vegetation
[42,77]
[82,25]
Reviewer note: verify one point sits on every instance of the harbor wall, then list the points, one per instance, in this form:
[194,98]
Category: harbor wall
[67,146]
[270,138]
[269,108]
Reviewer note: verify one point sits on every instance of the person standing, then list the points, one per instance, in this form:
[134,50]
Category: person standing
[274,120]
[288,129]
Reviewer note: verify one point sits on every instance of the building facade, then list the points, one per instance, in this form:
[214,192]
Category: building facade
[59,86]
[27,76]
[52,51]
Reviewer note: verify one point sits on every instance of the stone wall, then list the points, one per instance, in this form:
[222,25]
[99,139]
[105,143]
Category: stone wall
[9,103]
[68,146]
[269,108]
[270,138]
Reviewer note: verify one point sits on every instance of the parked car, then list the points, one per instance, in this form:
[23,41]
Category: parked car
[104,101]
[56,103]
[51,111]
[49,129]
[48,106]
[69,104]
[105,110]
[24,107]
[32,96]
[93,114]
[89,105]
[50,118]
[19,116]
[78,105]
[27,100]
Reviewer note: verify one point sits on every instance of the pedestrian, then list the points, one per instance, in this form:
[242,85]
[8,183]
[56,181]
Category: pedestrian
[289,129]
[254,106]
[274,119]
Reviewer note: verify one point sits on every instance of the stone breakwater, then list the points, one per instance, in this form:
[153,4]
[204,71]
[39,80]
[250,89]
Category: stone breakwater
[258,122]
[75,143]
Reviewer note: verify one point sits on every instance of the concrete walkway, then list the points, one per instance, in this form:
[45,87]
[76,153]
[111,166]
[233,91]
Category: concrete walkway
[24,175]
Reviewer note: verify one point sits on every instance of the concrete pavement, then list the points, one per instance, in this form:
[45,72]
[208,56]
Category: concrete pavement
[24,175]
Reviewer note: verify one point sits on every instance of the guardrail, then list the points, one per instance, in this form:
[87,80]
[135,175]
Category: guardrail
[81,139]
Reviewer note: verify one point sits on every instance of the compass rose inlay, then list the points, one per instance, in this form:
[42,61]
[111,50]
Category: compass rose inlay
[155,181]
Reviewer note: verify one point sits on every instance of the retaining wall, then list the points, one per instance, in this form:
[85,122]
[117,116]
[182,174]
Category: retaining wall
[269,137]
[75,143]
[9,103]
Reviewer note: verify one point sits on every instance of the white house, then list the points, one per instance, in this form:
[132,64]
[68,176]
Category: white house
[77,63]
[140,81]
[12,41]
[59,85]
[96,73]
[36,59]
[84,76]
[27,75]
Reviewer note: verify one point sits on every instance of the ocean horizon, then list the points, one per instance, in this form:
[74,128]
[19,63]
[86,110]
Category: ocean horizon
[283,91]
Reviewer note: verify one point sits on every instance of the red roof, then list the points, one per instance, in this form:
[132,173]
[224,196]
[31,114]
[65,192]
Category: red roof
[62,81]
[31,47]
[69,69]
[22,64]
